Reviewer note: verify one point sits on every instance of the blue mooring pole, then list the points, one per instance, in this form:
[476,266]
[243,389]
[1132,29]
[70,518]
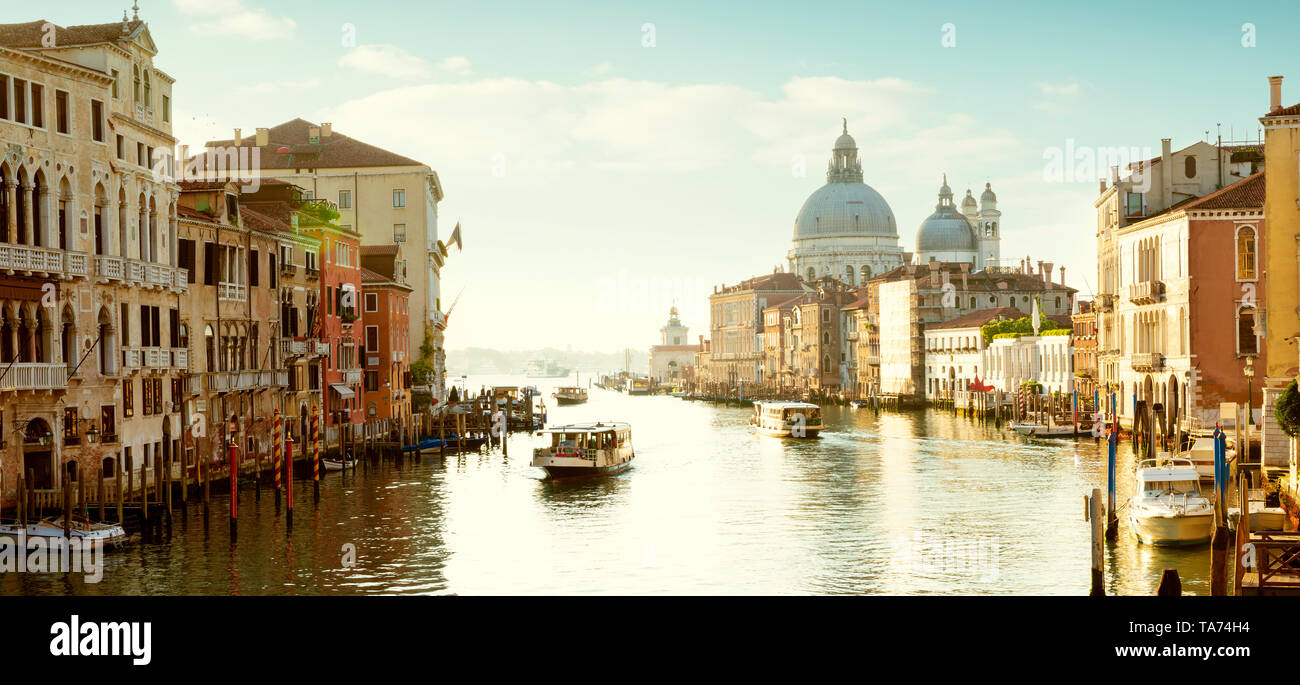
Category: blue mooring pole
[1112,520]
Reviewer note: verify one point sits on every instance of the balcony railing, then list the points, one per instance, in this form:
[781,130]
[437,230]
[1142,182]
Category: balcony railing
[180,357]
[1105,302]
[194,384]
[43,260]
[311,272]
[35,377]
[141,274]
[1146,292]
[231,381]
[1148,361]
[352,377]
[232,292]
[131,358]
[320,349]
[288,268]
[290,348]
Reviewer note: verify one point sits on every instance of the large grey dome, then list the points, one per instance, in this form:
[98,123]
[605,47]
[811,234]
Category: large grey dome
[845,209]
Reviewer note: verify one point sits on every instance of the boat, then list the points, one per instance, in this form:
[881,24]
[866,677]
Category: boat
[859,404]
[545,368]
[1038,430]
[637,386]
[337,463]
[88,533]
[1169,508]
[787,419]
[1202,457]
[585,449]
[570,395]
[433,444]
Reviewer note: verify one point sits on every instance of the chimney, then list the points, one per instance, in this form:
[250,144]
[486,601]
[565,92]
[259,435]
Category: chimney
[1062,275]
[263,137]
[934,275]
[965,271]
[239,137]
[1166,173]
[1047,274]
[1274,93]
[313,134]
[326,129]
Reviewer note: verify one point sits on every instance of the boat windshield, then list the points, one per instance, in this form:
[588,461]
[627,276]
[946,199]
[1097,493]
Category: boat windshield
[1166,487]
[586,441]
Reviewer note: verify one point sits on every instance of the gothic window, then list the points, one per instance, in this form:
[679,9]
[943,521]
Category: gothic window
[1247,343]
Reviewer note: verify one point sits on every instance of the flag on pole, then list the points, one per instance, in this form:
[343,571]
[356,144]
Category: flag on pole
[455,237]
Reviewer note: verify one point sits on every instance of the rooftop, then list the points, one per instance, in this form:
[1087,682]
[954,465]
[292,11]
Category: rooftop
[32,33]
[289,147]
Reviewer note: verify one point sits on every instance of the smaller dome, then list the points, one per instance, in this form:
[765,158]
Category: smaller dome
[988,195]
[968,201]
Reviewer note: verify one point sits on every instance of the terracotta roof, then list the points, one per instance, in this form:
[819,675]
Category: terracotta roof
[379,249]
[980,317]
[1248,193]
[189,213]
[333,152]
[860,303]
[979,281]
[774,281]
[30,34]
[257,221]
[1285,111]
[785,301]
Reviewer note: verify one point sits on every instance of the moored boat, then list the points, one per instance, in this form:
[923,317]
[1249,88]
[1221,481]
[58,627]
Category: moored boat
[1038,430]
[787,419]
[1168,508]
[87,533]
[637,386]
[570,395]
[585,449]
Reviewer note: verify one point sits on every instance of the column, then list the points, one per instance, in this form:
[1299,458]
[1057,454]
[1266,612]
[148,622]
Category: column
[11,191]
[28,219]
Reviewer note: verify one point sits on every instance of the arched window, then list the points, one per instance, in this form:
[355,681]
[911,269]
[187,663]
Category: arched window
[136,70]
[848,275]
[1189,166]
[1246,253]
[826,338]
[826,364]
[972,303]
[866,274]
[812,274]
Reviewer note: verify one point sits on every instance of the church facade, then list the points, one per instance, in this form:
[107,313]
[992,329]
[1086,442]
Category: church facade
[673,354]
[971,234]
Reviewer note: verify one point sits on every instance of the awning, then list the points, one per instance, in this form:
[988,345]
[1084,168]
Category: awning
[344,391]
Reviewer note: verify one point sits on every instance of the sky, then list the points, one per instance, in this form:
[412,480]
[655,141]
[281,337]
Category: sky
[608,161]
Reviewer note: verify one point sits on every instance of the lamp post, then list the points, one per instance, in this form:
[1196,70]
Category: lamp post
[1249,372]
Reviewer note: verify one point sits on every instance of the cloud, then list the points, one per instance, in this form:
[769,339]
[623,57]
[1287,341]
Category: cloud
[602,69]
[395,62]
[233,18]
[454,65]
[1060,89]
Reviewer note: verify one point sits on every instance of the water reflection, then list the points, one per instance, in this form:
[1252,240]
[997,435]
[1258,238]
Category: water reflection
[914,503]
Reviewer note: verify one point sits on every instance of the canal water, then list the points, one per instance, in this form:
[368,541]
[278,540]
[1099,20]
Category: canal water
[921,502]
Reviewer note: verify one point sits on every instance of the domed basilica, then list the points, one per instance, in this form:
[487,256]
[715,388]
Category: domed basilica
[847,230]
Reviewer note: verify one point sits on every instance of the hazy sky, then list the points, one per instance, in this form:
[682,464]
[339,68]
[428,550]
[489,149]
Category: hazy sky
[607,160]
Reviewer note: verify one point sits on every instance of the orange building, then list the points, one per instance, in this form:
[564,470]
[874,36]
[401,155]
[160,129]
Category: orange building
[385,318]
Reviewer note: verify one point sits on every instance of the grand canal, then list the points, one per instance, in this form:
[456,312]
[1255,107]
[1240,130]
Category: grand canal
[908,503]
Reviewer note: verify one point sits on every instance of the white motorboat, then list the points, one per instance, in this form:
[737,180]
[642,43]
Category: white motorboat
[86,532]
[1169,508]
[1048,430]
[787,419]
[585,449]
[1202,457]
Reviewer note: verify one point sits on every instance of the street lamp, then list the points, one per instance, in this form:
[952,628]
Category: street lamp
[1249,371]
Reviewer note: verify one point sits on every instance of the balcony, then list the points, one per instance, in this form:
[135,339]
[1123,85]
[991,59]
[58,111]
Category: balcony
[311,272]
[1146,292]
[1148,361]
[232,292]
[288,269]
[180,357]
[194,384]
[35,377]
[853,336]
[290,348]
[439,320]
[1105,302]
[134,272]
[131,358]
[352,377]
[320,349]
[43,260]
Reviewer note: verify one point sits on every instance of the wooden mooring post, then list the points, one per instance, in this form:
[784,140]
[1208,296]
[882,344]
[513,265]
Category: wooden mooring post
[1170,584]
[1095,516]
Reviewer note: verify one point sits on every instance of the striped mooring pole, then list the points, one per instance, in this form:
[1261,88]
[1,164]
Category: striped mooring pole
[315,449]
[276,451]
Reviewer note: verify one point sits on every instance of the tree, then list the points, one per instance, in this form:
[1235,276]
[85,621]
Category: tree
[1287,410]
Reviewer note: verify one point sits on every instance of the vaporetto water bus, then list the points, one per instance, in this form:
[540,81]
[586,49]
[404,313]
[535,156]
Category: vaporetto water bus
[585,449]
[787,419]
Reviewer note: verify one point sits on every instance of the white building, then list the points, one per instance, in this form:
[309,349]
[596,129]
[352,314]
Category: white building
[897,337]
[954,351]
[845,229]
[1011,362]
[673,354]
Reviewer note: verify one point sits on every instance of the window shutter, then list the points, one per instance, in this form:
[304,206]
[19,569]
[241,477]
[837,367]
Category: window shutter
[252,268]
[272,278]
[209,264]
